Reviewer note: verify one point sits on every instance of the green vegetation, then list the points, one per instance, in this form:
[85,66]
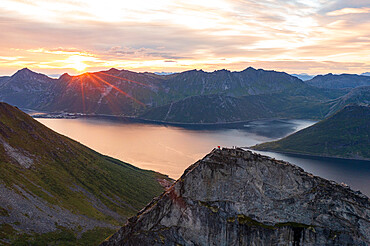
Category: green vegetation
[214,209]
[6,230]
[346,134]
[245,220]
[3,212]
[70,175]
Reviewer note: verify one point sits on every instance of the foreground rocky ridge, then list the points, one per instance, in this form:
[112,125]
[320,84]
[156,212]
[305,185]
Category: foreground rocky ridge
[236,197]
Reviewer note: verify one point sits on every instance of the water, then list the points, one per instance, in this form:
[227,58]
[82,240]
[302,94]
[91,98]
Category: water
[170,150]
[354,173]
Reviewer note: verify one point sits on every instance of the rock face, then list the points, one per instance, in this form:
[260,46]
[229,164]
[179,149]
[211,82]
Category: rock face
[236,197]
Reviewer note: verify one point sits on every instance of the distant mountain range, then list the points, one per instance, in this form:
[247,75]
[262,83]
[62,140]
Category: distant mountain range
[345,134]
[192,96]
[339,81]
[303,76]
[55,190]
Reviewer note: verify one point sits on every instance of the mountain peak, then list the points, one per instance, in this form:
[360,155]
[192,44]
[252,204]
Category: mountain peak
[25,69]
[26,73]
[64,76]
[113,70]
[250,69]
[236,197]
[221,70]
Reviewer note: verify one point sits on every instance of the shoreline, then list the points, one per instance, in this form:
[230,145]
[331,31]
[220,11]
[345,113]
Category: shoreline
[134,119]
[308,155]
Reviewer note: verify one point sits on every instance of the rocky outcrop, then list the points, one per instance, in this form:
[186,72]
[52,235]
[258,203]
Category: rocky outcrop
[236,197]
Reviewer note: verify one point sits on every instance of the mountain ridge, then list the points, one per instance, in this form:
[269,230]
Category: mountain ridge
[345,134]
[339,81]
[123,92]
[150,96]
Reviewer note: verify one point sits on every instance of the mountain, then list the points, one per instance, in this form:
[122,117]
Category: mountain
[247,82]
[214,109]
[359,95]
[339,81]
[303,76]
[26,89]
[53,189]
[3,79]
[192,96]
[304,102]
[236,197]
[110,92]
[119,92]
[366,74]
[345,134]
[113,92]
[122,92]
[164,73]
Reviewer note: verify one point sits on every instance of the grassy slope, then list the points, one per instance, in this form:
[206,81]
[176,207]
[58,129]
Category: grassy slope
[60,163]
[345,134]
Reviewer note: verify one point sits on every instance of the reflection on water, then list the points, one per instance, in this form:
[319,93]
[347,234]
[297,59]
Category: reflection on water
[171,150]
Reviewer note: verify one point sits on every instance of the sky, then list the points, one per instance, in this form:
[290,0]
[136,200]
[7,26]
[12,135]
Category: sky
[295,36]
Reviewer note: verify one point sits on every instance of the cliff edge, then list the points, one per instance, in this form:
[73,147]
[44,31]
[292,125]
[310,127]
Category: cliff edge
[236,197]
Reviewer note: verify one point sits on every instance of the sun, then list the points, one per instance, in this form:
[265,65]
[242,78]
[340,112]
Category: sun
[79,66]
[77,62]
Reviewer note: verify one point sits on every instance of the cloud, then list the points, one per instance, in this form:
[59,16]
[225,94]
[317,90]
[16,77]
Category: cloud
[146,34]
[346,11]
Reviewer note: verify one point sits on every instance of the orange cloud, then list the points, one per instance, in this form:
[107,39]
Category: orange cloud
[59,36]
[346,11]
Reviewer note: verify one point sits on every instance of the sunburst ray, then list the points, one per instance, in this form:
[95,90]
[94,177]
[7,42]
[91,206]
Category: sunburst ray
[117,89]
